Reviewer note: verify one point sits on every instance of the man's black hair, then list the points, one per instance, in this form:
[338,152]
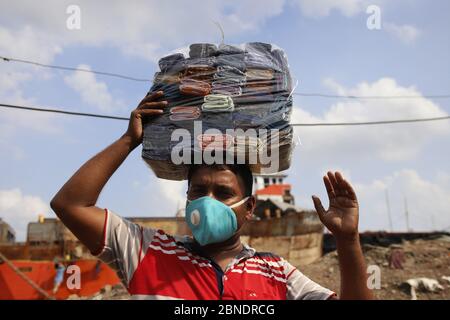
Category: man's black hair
[240,170]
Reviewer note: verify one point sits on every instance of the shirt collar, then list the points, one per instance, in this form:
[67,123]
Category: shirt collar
[191,245]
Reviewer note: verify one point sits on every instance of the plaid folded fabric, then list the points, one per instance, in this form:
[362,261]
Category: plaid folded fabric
[259,89]
[167,78]
[246,143]
[253,74]
[227,86]
[229,72]
[199,72]
[232,91]
[276,137]
[214,141]
[283,83]
[234,60]
[217,103]
[227,82]
[194,87]
[182,113]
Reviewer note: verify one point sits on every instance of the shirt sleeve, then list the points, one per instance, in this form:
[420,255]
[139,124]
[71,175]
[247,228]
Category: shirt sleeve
[122,245]
[300,287]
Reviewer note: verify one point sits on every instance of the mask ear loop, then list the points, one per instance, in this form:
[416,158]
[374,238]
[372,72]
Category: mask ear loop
[237,204]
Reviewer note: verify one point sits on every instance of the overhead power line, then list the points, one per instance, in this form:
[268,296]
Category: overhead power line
[369,122]
[73,113]
[302,94]
[108,74]
[336,96]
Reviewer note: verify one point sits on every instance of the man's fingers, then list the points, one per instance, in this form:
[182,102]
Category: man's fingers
[152,97]
[340,181]
[319,208]
[333,181]
[350,191]
[150,105]
[147,112]
[329,187]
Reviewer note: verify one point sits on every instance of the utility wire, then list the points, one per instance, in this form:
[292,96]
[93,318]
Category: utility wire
[108,74]
[292,124]
[72,113]
[368,122]
[336,96]
[303,94]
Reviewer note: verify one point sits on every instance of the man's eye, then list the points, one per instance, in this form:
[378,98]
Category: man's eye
[225,196]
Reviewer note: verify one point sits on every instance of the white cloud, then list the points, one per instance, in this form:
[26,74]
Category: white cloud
[92,91]
[142,28]
[165,196]
[12,121]
[427,202]
[393,142]
[17,209]
[146,29]
[322,8]
[28,43]
[405,33]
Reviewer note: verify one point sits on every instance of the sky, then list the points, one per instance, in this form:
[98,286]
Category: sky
[331,50]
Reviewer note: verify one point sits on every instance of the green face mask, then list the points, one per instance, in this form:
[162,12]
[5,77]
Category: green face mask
[210,220]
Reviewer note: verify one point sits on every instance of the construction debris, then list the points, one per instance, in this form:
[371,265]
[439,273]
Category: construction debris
[398,263]
[117,292]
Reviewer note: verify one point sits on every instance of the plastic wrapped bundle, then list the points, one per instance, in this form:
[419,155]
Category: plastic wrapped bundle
[226,104]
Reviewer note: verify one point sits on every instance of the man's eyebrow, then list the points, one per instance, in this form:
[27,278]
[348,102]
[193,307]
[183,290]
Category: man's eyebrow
[225,188]
[197,185]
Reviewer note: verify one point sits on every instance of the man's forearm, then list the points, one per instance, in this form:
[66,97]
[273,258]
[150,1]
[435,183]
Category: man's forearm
[84,187]
[353,270]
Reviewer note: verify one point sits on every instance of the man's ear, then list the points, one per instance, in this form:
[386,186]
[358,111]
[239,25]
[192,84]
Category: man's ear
[251,205]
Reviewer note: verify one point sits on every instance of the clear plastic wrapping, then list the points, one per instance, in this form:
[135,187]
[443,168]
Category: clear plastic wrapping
[228,103]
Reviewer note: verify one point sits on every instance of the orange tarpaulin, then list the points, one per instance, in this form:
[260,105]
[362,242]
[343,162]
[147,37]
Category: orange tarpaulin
[93,275]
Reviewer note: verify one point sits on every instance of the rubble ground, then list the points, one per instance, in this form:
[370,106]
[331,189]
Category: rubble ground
[398,263]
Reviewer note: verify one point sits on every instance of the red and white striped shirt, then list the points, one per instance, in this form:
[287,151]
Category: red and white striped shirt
[155,265]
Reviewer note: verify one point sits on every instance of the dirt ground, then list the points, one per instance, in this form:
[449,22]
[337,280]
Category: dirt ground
[413,259]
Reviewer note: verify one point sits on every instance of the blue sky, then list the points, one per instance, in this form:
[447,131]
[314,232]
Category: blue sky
[330,50]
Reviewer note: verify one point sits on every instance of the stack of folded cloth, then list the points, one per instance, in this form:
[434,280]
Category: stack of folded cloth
[214,141]
[247,144]
[167,77]
[217,103]
[228,80]
[192,87]
[226,87]
[172,64]
[199,72]
[183,113]
[202,50]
